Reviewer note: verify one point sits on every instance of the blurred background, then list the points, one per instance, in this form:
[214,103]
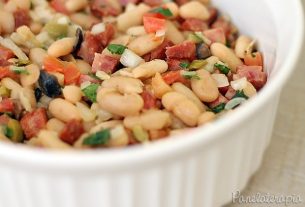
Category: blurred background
[283,168]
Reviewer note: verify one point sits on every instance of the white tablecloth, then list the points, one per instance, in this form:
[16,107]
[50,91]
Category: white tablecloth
[283,168]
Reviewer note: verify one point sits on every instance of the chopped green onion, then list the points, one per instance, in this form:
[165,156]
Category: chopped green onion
[98,138]
[219,108]
[164,11]
[190,75]
[184,65]
[233,103]
[224,69]
[19,70]
[194,38]
[90,91]
[197,64]
[140,134]
[240,94]
[8,132]
[116,49]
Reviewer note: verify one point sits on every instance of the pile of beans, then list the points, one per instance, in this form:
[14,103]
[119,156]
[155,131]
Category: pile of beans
[113,73]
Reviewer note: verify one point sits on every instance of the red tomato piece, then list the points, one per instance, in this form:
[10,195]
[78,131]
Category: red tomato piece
[104,63]
[153,24]
[254,75]
[5,55]
[185,50]
[72,131]
[33,122]
[59,6]
[6,72]
[71,73]
[52,64]
[195,25]
[173,77]
[221,99]
[216,35]
[22,17]
[254,59]
[6,105]
[150,100]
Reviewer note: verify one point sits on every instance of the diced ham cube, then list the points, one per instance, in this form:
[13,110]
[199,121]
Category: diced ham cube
[150,100]
[221,99]
[185,50]
[159,52]
[104,63]
[33,122]
[106,36]
[72,131]
[213,15]
[87,78]
[5,55]
[6,105]
[230,93]
[153,2]
[174,64]
[194,25]
[125,2]
[22,17]
[221,22]
[215,35]
[254,75]
[101,8]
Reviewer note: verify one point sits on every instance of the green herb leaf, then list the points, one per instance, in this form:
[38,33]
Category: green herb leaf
[190,75]
[184,65]
[164,11]
[116,49]
[8,132]
[240,94]
[224,69]
[98,138]
[19,70]
[91,91]
[219,108]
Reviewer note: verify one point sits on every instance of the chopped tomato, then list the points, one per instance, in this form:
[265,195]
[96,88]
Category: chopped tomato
[173,77]
[52,64]
[5,55]
[59,6]
[153,24]
[72,131]
[6,105]
[150,100]
[253,59]
[6,72]
[71,73]
[33,122]
[152,14]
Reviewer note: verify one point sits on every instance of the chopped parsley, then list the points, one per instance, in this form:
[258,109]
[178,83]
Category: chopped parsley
[164,11]
[190,75]
[219,108]
[240,94]
[8,132]
[224,69]
[98,138]
[184,65]
[19,70]
[116,49]
[90,91]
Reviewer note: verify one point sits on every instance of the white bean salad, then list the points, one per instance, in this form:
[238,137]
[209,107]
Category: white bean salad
[114,73]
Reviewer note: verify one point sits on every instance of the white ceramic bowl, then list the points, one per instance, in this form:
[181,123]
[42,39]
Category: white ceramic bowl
[197,169]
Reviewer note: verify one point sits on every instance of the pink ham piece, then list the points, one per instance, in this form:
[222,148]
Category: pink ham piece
[224,24]
[221,99]
[101,8]
[174,64]
[104,63]
[185,50]
[215,35]
[87,78]
[230,93]
[195,25]
[159,52]
[253,74]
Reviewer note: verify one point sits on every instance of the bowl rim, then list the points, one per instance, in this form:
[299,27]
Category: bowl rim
[114,159]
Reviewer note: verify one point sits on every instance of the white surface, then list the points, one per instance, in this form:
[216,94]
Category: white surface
[200,169]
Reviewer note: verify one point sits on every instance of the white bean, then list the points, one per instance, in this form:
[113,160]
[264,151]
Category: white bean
[226,55]
[173,34]
[149,69]
[50,140]
[76,5]
[63,110]
[206,117]
[84,20]
[7,22]
[55,125]
[205,88]
[37,56]
[32,76]
[72,93]
[194,9]
[144,44]
[124,84]
[62,47]
[242,44]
